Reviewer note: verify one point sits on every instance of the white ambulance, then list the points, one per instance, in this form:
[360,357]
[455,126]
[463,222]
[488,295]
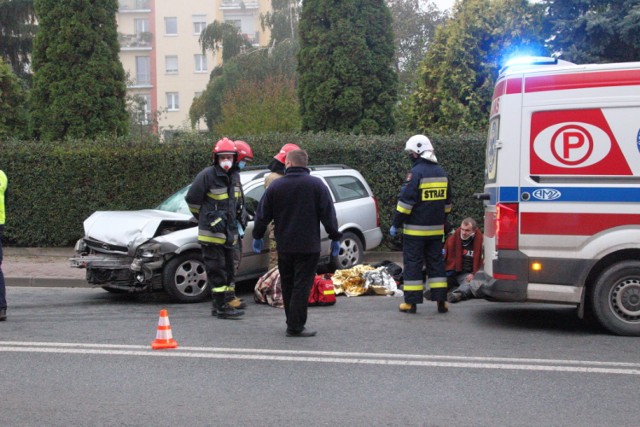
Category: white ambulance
[562,189]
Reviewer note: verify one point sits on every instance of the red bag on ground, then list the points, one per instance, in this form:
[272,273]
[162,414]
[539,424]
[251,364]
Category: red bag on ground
[322,291]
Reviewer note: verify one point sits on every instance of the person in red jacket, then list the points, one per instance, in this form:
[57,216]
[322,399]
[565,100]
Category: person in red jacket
[463,258]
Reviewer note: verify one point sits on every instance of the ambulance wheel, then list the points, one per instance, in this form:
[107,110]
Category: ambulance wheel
[351,252]
[616,298]
[185,278]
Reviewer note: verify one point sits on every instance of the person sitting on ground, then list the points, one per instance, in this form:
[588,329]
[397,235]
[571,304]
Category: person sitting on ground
[463,258]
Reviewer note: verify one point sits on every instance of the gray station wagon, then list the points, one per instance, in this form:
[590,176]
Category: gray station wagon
[157,249]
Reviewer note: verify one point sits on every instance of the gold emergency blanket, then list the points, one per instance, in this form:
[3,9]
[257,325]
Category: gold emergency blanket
[363,280]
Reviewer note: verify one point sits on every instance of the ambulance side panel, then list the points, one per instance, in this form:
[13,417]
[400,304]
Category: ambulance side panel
[564,150]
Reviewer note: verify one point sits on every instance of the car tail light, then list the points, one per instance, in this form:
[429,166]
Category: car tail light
[507,226]
[375,202]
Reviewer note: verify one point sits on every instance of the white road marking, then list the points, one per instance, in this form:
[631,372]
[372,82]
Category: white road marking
[390,359]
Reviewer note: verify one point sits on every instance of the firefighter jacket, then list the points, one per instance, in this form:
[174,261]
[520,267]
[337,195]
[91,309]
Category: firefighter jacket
[425,201]
[214,198]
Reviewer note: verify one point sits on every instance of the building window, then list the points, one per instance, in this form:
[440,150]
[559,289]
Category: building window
[143,108]
[236,22]
[171,26]
[201,63]
[141,25]
[199,24]
[171,64]
[143,70]
[173,101]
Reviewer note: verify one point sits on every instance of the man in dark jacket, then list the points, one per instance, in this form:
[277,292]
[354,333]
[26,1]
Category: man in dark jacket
[297,203]
[213,199]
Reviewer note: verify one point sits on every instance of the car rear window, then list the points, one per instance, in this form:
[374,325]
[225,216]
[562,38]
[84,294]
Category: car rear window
[346,188]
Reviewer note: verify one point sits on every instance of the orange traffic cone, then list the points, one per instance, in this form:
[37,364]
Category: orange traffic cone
[164,339]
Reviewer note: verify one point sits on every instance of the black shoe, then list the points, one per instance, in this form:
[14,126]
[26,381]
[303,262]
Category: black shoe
[3,314]
[227,312]
[442,307]
[302,333]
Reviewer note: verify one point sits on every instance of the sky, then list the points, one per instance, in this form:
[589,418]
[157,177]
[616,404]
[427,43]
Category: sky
[444,4]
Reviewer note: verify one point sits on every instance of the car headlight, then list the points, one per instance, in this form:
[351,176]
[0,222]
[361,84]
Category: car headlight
[81,246]
[148,251]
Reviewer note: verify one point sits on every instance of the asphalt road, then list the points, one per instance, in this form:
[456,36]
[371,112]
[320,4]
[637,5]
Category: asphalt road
[78,357]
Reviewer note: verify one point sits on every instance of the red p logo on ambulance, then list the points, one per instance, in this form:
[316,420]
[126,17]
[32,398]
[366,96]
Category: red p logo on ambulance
[574,142]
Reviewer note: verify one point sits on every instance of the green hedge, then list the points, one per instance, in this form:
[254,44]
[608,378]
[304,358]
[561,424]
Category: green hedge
[53,187]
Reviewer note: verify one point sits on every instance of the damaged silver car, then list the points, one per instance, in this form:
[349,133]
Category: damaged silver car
[157,249]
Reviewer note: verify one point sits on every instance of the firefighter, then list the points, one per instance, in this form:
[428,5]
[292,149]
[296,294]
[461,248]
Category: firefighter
[213,199]
[421,215]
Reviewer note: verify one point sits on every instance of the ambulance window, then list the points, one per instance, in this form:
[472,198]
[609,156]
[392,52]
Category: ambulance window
[492,152]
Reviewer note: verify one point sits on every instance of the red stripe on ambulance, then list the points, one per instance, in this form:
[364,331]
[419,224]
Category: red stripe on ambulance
[573,223]
[582,80]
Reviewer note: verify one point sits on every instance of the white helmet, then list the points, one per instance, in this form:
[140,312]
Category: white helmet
[421,145]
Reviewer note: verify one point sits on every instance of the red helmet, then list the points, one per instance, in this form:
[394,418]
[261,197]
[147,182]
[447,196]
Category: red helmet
[244,151]
[282,155]
[224,146]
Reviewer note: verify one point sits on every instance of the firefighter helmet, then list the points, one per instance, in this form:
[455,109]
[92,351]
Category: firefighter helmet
[282,154]
[225,146]
[421,145]
[244,151]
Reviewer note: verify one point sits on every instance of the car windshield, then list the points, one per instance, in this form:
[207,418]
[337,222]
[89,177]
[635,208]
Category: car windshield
[176,202]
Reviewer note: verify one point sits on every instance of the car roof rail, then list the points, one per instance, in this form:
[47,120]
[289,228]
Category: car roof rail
[329,166]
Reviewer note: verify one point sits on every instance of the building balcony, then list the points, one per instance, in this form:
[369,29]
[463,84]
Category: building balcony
[134,6]
[239,4]
[139,41]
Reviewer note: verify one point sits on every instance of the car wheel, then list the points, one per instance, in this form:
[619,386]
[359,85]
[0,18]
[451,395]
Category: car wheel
[616,298]
[351,252]
[185,278]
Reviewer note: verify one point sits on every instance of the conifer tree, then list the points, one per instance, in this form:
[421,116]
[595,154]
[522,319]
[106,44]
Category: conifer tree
[79,83]
[347,80]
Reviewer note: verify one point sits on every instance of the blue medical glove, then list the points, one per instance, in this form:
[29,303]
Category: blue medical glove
[240,230]
[258,244]
[393,231]
[335,247]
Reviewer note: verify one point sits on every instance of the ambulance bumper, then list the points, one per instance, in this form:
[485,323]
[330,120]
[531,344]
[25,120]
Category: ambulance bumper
[498,290]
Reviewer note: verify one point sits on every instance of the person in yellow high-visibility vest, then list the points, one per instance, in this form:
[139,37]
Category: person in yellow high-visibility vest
[3,295]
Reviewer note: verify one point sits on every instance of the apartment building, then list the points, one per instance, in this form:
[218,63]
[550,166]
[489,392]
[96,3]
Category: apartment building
[159,50]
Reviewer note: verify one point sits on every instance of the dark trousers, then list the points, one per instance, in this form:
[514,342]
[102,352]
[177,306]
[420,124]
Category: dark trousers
[219,263]
[3,295]
[297,272]
[418,252]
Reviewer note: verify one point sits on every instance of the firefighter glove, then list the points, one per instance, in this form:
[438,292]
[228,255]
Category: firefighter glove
[258,245]
[335,247]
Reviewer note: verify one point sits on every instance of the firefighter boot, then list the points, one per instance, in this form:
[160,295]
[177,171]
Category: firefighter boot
[235,302]
[442,307]
[225,311]
[407,308]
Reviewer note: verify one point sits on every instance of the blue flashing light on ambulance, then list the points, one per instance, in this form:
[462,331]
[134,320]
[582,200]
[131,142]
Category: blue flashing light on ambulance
[562,189]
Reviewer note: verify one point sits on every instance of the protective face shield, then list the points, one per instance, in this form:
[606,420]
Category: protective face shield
[225,164]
